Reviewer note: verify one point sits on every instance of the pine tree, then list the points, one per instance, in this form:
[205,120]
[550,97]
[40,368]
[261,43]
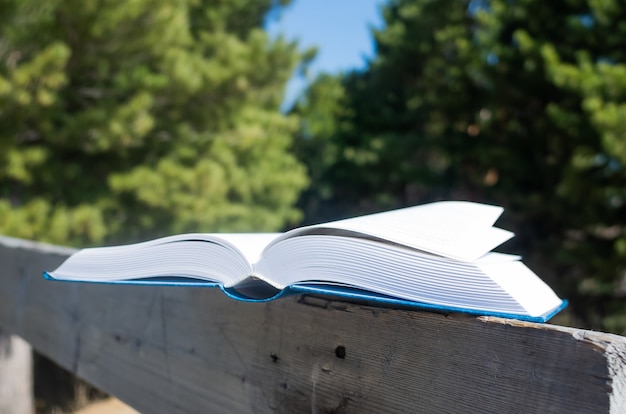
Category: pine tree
[126,120]
[514,103]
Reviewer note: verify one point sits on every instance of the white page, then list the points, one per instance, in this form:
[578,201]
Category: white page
[524,285]
[496,282]
[182,254]
[455,229]
[251,245]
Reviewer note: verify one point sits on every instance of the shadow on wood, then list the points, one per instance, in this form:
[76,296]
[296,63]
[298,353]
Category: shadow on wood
[56,390]
[179,350]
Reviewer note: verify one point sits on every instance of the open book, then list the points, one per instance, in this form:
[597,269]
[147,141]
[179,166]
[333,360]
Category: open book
[435,256]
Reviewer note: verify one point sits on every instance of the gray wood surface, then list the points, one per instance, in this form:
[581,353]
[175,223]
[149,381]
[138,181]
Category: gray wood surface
[186,350]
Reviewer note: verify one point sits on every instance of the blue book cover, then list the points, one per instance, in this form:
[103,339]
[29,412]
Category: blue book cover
[332,292]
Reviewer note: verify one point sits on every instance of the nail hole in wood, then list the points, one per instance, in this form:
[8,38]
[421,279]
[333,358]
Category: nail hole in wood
[340,352]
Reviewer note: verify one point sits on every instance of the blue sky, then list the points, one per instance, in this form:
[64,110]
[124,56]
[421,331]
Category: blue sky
[339,29]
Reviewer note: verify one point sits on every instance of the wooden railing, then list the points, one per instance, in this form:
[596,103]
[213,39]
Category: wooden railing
[193,350]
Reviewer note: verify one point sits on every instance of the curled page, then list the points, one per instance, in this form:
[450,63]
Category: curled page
[454,229]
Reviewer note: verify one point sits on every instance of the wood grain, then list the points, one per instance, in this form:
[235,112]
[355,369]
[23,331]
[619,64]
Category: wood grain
[193,350]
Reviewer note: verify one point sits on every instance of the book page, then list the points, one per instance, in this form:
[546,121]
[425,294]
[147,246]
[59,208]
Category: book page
[223,258]
[454,229]
[251,245]
[524,285]
[495,283]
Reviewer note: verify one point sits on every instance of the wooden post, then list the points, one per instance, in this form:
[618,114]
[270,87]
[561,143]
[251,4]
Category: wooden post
[181,350]
[16,380]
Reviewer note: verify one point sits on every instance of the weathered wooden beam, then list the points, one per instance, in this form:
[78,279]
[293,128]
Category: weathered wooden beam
[185,350]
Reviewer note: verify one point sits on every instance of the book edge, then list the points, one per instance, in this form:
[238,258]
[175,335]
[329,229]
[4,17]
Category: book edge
[351,294]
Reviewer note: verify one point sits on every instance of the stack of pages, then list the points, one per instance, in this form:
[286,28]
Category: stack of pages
[436,256]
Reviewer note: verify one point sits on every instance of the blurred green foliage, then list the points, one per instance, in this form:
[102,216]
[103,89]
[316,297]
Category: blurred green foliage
[520,104]
[122,120]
